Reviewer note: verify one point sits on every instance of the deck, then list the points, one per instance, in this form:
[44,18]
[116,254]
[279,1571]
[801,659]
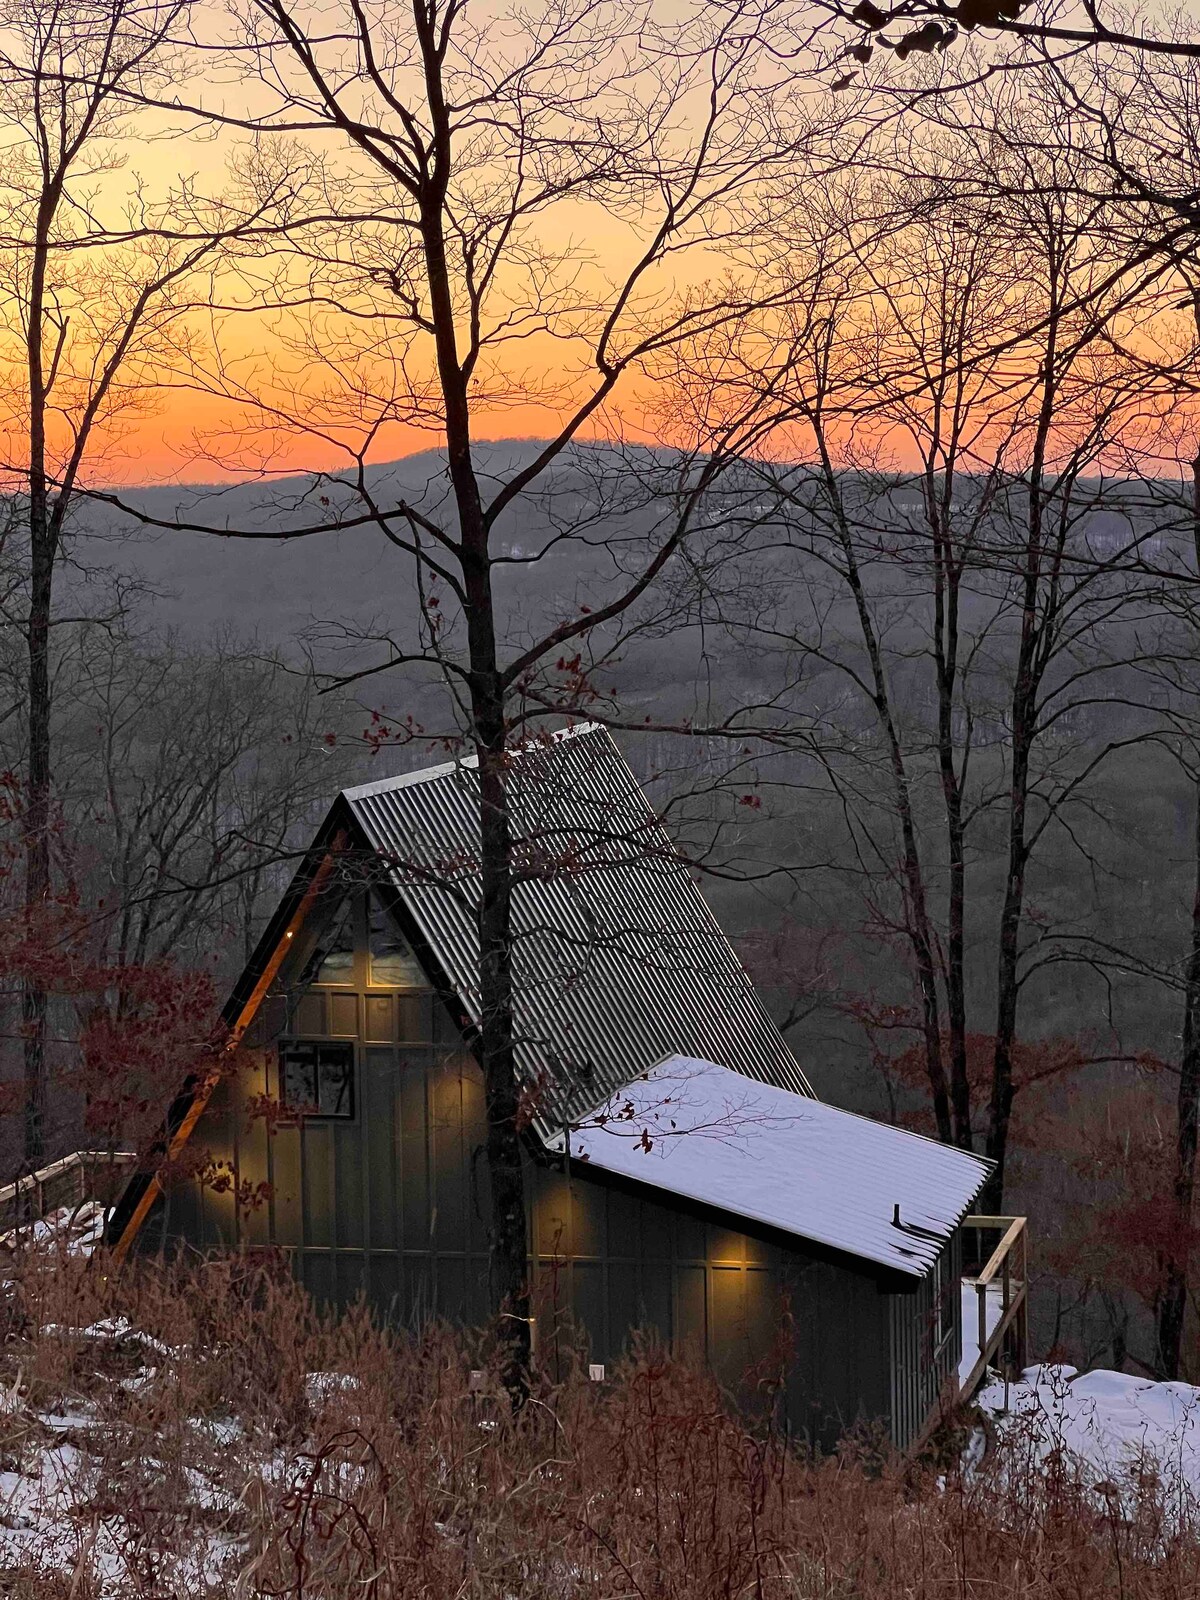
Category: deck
[83,1175]
[995,1301]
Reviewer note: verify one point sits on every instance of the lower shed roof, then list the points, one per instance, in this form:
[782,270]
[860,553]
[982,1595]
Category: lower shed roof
[759,1152]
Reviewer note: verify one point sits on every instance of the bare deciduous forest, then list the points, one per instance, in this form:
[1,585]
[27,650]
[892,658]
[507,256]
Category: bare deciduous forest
[808,394]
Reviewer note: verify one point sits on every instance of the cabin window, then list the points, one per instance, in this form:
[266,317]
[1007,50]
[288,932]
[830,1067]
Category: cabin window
[316,1077]
[332,961]
[392,963]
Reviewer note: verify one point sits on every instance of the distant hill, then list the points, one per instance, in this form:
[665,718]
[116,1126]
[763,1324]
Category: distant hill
[332,593]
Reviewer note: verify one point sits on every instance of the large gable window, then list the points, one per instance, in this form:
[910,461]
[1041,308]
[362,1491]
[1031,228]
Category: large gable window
[392,962]
[316,1077]
[332,960]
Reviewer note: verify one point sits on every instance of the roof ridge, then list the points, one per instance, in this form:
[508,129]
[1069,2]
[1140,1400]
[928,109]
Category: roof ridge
[404,780]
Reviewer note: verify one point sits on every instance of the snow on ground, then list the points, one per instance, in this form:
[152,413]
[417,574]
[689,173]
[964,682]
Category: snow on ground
[1115,1434]
[71,1230]
[62,1513]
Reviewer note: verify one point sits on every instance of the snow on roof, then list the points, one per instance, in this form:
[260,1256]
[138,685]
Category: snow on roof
[770,1156]
[467,762]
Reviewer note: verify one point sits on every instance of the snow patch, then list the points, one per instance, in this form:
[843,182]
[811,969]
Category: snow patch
[71,1230]
[1117,1435]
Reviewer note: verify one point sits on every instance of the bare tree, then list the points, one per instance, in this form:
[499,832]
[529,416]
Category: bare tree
[96,277]
[1029,29]
[190,775]
[438,280]
[978,605]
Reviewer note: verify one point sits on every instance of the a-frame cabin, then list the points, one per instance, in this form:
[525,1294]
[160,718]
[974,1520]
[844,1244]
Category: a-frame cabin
[681,1176]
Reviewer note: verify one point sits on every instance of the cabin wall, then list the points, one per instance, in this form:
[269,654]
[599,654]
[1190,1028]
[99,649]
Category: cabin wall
[612,1257]
[392,1203]
[926,1343]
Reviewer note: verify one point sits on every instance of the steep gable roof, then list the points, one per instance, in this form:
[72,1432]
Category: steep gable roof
[618,959]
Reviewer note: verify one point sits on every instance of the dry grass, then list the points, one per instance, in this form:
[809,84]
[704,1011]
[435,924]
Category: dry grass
[189,1451]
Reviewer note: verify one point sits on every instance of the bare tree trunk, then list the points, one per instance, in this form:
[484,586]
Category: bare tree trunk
[1030,665]
[1024,715]
[946,575]
[43,532]
[917,919]
[510,1249]
[37,843]
[1172,1304]
[1008,986]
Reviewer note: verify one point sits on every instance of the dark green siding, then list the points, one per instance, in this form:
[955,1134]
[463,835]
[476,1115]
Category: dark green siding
[926,1344]
[392,1204]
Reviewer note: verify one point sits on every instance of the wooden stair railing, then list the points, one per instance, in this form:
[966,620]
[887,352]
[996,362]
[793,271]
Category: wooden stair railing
[1008,1269]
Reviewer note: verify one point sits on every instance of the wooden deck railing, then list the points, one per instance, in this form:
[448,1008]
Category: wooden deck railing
[83,1175]
[1001,1290]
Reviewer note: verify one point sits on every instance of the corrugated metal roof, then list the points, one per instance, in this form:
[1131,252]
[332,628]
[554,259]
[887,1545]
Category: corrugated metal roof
[618,959]
[759,1152]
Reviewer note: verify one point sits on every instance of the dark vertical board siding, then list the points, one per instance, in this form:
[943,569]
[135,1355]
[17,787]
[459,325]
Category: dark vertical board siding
[415,1018]
[653,1310]
[343,1016]
[588,1303]
[350,1276]
[380,1019]
[219,1145]
[419,1289]
[379,1148]
[762,1252]
[347,1140]
[589,1231]
[478,1303]
[414,1186]
[624,1309]
[183,1215]
[689,1330]
[316,1143]
[451,1294]
[394,1204]
[728,1352]
[919,1369]
[765,1311]
[251,1141]
[318,1273]
[284,1177]
[690,1242]
[310,1016]
[447,1164]
[552,1218]
[628,1229]
[383,1285]
[725,1244]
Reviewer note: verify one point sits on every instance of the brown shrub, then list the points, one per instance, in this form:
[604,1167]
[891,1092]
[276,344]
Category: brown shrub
[212,1433]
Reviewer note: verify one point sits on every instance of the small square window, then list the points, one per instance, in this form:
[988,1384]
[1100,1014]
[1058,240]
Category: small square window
[316,1078]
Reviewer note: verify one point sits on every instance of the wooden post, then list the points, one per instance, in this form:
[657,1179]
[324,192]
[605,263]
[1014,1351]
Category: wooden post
[1023,1317]
[1007,1283]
